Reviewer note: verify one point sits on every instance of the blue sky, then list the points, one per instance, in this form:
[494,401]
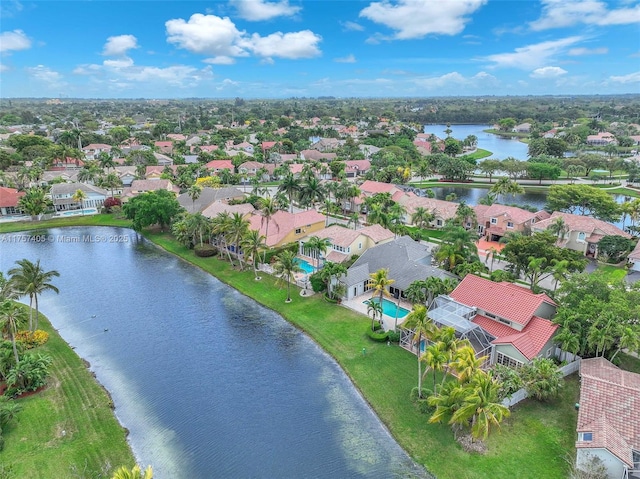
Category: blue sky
[287,48]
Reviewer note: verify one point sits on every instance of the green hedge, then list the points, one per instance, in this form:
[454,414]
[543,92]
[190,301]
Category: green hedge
[380,337]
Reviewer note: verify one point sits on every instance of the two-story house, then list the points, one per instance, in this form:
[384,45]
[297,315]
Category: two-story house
[284,227]
[9,198]
[62,196]
[497,220]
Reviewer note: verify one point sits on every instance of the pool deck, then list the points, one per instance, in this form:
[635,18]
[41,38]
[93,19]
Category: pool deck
[389,322]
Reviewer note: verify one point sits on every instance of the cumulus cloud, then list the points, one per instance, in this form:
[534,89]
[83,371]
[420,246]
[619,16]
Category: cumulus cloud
[565,13]
[588,51]
[119,45]
[14,41]
[46,75]
[348,59]
[220,60]
[119,63]
[456,79]
[418,18]
[548,72]
[630,78]
[206,34]
[351,26]
[259,10]
[303,44]
[532,56]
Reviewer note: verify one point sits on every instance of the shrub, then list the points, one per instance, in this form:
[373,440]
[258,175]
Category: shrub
[30,374]
[394,336]
[205,251]
[542,379]
[377,336]
[508,379]
[109,203]
[316,283]
[33,339]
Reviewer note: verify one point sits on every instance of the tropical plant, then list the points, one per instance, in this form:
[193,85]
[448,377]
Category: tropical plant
[285,268]
[317,246]
[34,202]
[252,244]
[133,473]
[29,374]
[31,280]
[375,309]
[12,317]
[290,185]
[419,322]
[541,379]
[422,217]
[329,271]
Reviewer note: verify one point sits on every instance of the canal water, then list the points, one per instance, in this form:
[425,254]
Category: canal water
[208,382]
[500,146]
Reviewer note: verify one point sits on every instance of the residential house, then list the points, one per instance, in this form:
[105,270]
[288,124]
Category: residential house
[603,138]
[609,418]
[154,172]
[315,155]
[142,186]
[203,148]
[245,147]
[497,220]
[164,146]
[327,144]
[522,128]
[92,151]
[356,168]
[163,160]
[177,137]
[634,258]
[442,210]
[207,197]
[67,163]
[406,260]
[219,207]
[514,322]
[284,227]
[218,165]
[346,242]
[62,196]
[583,233]
[9,198]
[126,174]
[251,168]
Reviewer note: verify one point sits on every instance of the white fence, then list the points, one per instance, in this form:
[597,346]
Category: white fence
[567,369]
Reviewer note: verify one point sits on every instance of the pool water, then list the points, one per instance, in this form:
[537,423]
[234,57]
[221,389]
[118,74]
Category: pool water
[89,211]
[389,307]
[304,264]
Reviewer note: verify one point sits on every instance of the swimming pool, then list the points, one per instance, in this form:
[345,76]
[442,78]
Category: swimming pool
[86,211]
[304,264]
[389,307]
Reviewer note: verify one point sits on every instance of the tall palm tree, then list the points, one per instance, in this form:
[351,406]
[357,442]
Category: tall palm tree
[312,192]
[237,229]
[375,309]
[31,280]
[422,217]
[328,272]
[285,268]
[436,359]
[268,208]
[465,363]
[379,281]
[79,196]
[34,202]
[194,193]
[12,317]
[629,339]
[505,186]
[317,246]
[558,228]
[422,326]
[491,256]
[290,185]
[252,244]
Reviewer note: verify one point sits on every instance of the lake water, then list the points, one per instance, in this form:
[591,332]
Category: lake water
[501,147]
[208,382]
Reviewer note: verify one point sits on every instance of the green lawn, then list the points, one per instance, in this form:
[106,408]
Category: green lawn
[533,443]
[68,430]
[629,363]
[613,272]
[479,154]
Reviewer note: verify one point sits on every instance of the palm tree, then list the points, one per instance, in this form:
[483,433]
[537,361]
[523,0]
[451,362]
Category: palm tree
[436,358]
[491,253]
[568,340]
[317,246]
[312,192]
[268,208]
[111,181]
[12,317]
[558,228]
[481,406]
[629,339]
[31,280]
[290,185]
[252,244]
[237,229]
[34,202]
[375,309]
[418,321]
[285,268]
[328,272]
[465,363]
[79,196]
[422,217]
[194,193]
[504,186]
[354,218]
[380,282]
[415,292]
[465,212]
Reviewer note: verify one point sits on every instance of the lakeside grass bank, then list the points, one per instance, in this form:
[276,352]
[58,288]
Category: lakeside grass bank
[69,428]
[534,442]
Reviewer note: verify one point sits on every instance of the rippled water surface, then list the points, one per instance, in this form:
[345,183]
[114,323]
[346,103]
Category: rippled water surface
[209,383]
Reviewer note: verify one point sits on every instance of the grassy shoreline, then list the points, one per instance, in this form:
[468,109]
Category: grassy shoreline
[533,443]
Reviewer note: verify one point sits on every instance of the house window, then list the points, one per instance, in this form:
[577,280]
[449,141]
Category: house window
[438,222]
[582,236]
[585,436]
[359,245]
[507,361]
[298,231]
[509,224]
[494,221]
[533,220]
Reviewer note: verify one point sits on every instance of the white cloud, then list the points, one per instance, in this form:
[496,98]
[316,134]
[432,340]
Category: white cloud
[532,56]
[206,34]
[258,10]
[456,79]
[351,26]
[548,72]
[303,44]
[348,59]
[220,60]
[630,78]
[119,63]
[46,75]
[586,51]
[3,67]
[14,41]
[119,45]
[417,18]
[565,13]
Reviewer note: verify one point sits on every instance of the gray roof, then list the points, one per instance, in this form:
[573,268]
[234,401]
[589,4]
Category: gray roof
[406,260]
[207,197]
[71,188]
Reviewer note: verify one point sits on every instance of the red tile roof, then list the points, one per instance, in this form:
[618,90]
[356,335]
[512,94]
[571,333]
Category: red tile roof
[585,224]
[9,197]
[515,214]
[220,165]
[373,187]
[609,408]
[506,300]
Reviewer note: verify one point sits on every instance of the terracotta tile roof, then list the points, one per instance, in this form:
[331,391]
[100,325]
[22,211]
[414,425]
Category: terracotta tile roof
[635,254]
[159,169]
[515,214]
[220,165]
[585,224]
[9,197]
[442,209]
[341,236]
[609,408]
[283,222]
[357,165]
[372,187]
[506,300]
[336,256]
[542,215]
[163,143]
[480,211]
[153,185]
